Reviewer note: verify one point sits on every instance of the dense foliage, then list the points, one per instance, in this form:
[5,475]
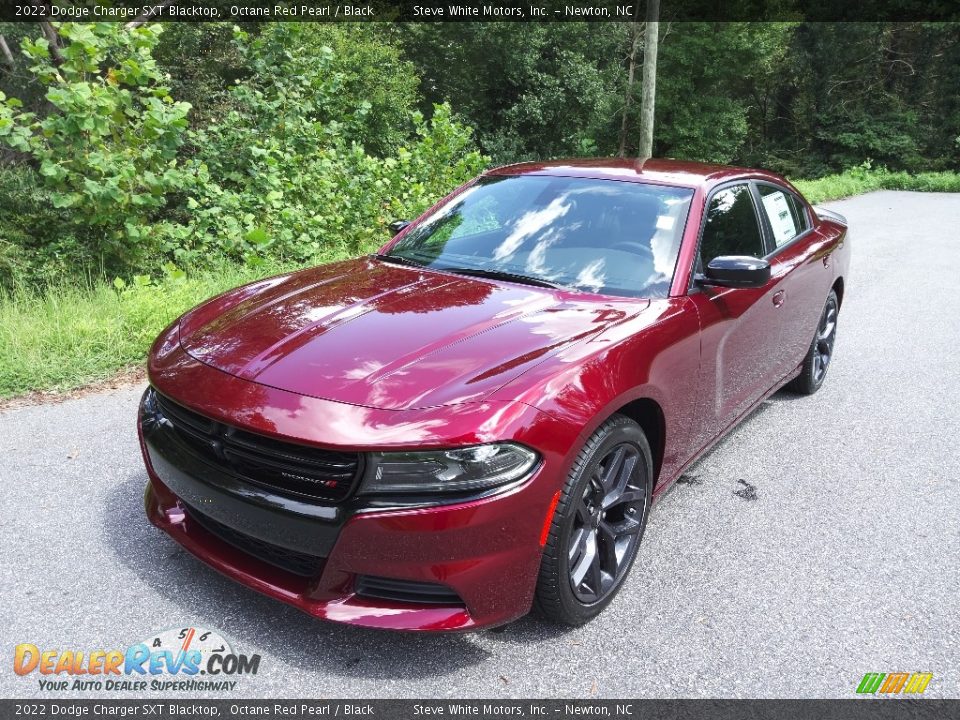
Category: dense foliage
[307,156]
[123,151]
[286,172]
[107,151]
[802,98]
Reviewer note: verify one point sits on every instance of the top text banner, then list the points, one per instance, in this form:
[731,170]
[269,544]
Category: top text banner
[128,11]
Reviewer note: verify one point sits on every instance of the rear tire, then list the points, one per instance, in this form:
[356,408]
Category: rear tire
[598,524]
[815,365]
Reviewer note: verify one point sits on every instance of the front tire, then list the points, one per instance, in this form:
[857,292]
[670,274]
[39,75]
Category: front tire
[817,362]
[598,524]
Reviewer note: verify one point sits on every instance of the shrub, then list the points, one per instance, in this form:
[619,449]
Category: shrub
[38,245]
[864,178]
[285,175]
[108,151]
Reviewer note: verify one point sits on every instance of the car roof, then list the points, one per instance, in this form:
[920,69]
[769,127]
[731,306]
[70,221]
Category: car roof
[681,173]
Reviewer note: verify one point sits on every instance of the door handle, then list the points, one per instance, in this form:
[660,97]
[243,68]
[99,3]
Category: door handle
[778,297]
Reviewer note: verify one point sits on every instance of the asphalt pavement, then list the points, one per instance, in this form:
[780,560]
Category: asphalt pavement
[820,541]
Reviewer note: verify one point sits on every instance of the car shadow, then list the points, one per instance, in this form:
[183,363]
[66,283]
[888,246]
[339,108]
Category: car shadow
[692,475]
[785,396]
[208,599]
[529,629]
[754,416]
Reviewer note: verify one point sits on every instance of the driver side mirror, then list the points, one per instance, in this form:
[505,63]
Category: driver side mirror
[736,271]
[397,226]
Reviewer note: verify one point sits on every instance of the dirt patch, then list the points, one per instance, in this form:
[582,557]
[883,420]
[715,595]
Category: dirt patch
[125,378]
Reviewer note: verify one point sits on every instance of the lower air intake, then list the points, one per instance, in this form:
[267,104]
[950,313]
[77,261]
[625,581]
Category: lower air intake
[293,562]
[410,591]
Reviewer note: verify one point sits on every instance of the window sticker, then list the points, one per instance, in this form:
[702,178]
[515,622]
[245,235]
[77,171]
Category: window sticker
[781,220]
[664,222]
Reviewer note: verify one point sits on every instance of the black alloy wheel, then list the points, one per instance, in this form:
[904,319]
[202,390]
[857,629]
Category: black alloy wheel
[826,334]
[606,529]
[598,524]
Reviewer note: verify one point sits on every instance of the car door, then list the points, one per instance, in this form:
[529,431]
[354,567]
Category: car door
[739,332]
[803,270]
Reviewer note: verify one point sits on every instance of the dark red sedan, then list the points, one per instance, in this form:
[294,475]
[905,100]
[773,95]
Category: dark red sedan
[476,420]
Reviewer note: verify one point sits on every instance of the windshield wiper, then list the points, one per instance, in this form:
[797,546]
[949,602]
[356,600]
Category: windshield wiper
[398,259]
[503,275]
[475,272]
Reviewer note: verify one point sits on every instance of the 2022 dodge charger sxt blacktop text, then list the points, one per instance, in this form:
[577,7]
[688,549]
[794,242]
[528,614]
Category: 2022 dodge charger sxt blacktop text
[476,420]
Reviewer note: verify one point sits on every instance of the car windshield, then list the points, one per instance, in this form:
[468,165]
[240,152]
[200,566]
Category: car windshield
[602,236]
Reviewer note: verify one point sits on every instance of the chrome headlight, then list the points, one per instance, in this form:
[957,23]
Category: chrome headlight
[431,471]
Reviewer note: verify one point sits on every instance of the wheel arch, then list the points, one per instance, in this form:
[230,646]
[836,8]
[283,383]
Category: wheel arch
[838,289]
[648,414]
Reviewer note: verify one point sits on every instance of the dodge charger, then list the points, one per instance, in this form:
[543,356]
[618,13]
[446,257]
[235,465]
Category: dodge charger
[476,420]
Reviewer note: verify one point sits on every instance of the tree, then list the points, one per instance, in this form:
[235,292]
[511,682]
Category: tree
[635,35]
[108,149]
[5,49]
[651,40]
[708,74]
[531,91]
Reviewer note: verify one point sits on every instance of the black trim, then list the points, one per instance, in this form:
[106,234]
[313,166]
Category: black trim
[411,591]
[294,562]
[260,513]
[300,471]
[776,250]
[276,519]
[766,230]
[692,285]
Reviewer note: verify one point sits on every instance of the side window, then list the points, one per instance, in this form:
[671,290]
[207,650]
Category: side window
[731,227]
[799,212]
[785,213]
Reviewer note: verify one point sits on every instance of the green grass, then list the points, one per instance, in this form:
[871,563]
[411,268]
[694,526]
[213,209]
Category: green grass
[860,180]
[71,336]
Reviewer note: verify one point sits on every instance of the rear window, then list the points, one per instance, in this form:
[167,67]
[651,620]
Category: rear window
[784,212]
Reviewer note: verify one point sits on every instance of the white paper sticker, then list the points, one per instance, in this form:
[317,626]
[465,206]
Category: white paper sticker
[664,222]
[781,219]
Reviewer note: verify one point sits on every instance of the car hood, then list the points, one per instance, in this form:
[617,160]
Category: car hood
[370,333]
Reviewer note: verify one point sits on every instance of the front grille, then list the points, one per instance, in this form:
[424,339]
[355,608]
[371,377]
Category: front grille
[288,468]
[290,560]
[410,591]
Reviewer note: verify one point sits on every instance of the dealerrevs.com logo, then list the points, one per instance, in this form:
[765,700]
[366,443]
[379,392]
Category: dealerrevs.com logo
[188,659]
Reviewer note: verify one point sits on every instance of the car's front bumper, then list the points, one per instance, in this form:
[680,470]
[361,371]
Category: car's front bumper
[495,583]
[487,551]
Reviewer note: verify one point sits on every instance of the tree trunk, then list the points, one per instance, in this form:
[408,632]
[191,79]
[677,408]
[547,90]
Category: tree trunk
[53,40]
[145,17]
[648,101]
[5,49]
[628,97]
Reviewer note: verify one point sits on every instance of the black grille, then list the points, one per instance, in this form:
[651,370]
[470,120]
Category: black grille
[288,468]
[290,560]
[409,591]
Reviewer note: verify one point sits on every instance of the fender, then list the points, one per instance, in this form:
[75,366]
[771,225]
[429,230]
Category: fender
[658,354]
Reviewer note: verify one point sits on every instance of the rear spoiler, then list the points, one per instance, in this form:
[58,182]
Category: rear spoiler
[830,215]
